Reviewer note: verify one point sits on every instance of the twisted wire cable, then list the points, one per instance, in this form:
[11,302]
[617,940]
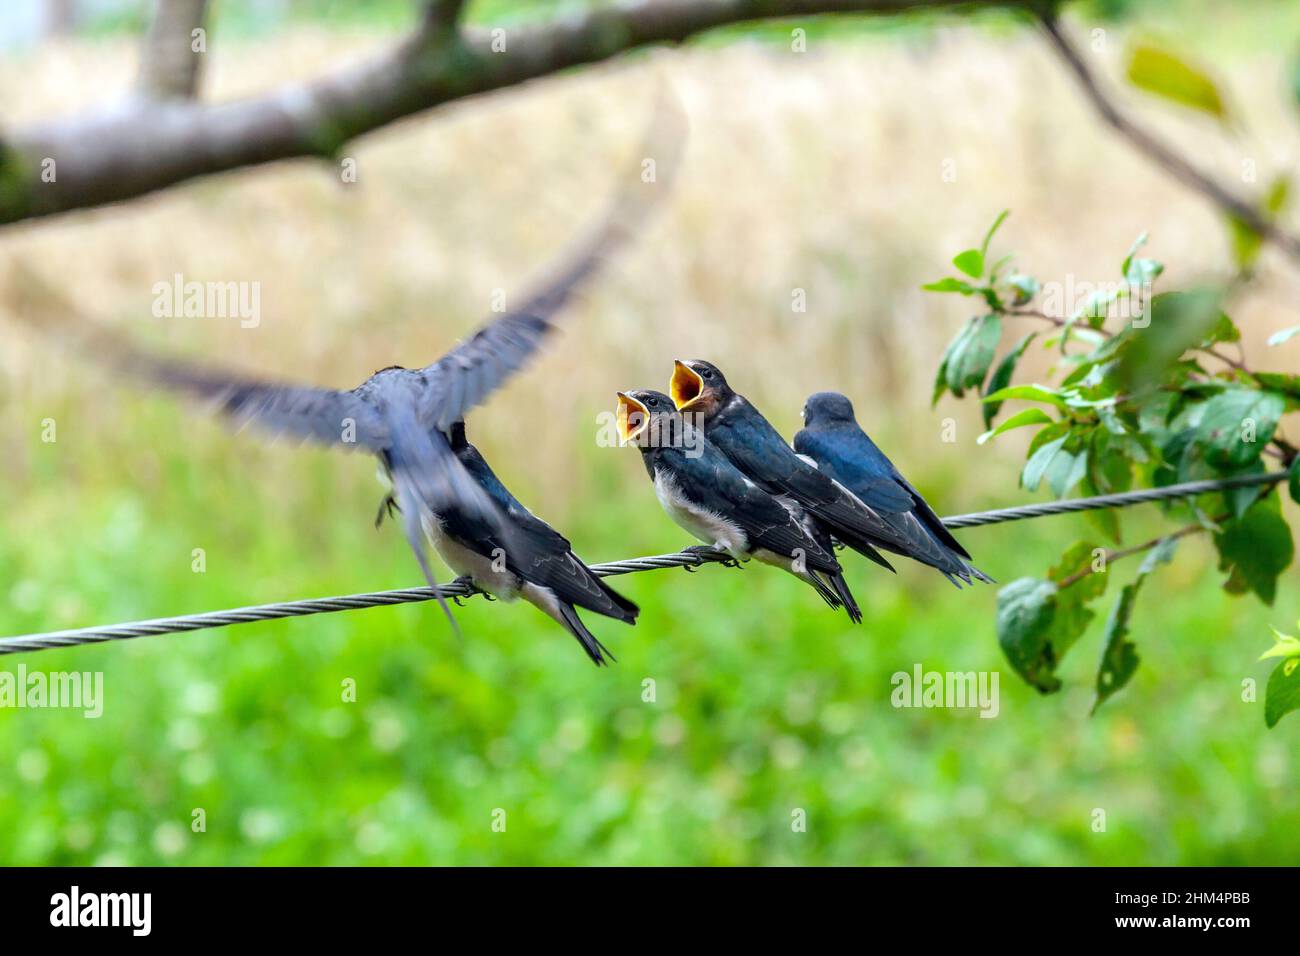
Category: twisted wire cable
[688,559]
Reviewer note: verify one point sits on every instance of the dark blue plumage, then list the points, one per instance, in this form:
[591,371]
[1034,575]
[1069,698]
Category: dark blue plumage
[833,439]
[703,492]
[532,560]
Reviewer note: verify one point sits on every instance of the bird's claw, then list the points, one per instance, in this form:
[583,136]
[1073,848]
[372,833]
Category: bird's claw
[471,589]
[705,551]
[389,505]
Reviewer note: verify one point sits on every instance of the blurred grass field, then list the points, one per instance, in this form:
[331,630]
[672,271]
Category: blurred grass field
[819,172]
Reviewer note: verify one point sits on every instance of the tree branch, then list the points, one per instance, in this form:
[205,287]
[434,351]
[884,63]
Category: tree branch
[1115,555]
[139,148]
[1160,153]
[169,64]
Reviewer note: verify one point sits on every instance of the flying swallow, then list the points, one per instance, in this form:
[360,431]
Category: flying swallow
[403,415]
[709,497]
[741,432]
[537,563]
[832,438]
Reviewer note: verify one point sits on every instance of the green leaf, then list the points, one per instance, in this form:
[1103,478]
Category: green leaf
[970,262]
[1001,377]
[988,236]
[1246,240]
[1286,646]
[1025,287]
[950,285]
[1283,692]
[1038,621]
[971,354]
[1031,393]
[1160,72]
[1065,471]
[1255,549]
[1138,243]
[1026,608]
[1288,386]
[1139,272]
[1119,657]
[1038,463]
[1277,338]
[1027,416]
[1078,562]
[1293,479]
[1177,321]
[1233,416]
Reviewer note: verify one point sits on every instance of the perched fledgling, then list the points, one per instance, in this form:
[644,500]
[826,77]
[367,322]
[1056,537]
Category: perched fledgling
[832,438]
[750,443]
[708,497]
[539,566]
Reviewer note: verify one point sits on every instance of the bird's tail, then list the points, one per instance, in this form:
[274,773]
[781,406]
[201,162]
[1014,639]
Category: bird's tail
[597,651]
[861,545]
[627,611]
[826,592]
[846,597]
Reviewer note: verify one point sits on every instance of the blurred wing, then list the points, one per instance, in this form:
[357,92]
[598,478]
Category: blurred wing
[465,376]
[318,414]
[322,415]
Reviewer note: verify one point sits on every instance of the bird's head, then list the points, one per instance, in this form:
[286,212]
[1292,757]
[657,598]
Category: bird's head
[698,386]
[642,413]
[827,408]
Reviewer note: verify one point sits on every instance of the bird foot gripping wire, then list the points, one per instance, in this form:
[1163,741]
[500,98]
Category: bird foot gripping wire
[471,588]
[707,553]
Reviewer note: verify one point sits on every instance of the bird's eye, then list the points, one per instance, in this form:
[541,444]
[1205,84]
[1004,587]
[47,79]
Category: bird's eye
[653,403]
[706,374]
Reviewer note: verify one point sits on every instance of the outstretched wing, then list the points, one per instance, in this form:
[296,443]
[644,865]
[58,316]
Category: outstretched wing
[472,370]
[322,415]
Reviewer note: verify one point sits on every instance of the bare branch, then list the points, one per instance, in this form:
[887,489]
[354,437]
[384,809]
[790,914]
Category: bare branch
[1162,154]
[139,148]
[172,54]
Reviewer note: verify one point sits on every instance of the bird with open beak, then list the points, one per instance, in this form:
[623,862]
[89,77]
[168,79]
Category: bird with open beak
[708,496]
[754,446]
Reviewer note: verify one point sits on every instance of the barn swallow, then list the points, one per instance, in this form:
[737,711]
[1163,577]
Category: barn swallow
[741,433]
[539,565]
[403,415]
[832,438]
[709,497]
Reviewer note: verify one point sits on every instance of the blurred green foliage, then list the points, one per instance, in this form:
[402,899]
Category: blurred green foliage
[765,701]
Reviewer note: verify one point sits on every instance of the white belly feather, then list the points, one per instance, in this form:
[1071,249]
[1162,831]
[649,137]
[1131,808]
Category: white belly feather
[708,526]
[502,584]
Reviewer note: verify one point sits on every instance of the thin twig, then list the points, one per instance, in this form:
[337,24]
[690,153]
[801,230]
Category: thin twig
[1162,154]
[1116,555]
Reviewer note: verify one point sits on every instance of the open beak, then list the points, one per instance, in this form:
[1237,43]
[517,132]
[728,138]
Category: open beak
[685,386]
[632,417]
